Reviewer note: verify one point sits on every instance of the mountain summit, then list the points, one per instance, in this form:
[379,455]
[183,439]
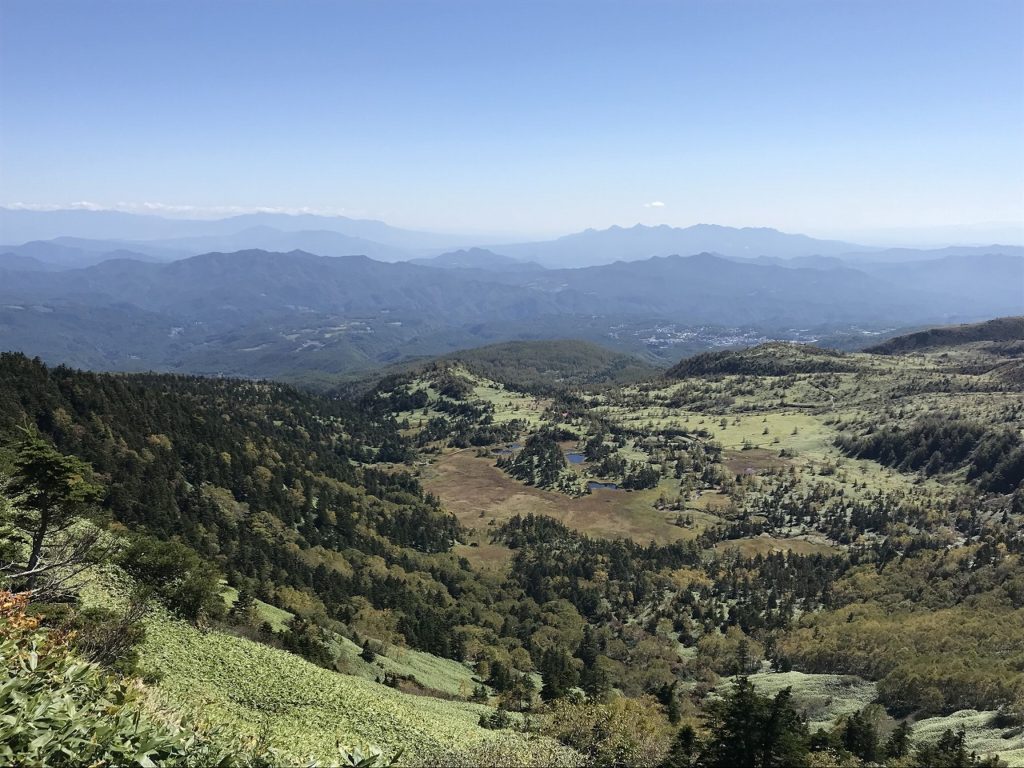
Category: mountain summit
[592,247]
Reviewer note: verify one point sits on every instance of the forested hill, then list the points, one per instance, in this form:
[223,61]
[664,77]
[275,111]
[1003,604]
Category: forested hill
[551,364]
[269,483]
[774,359]
[540,367]
[1001,329]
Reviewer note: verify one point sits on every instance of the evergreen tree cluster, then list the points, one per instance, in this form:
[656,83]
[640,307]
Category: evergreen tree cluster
[994,458]
[539,463]
[255,478]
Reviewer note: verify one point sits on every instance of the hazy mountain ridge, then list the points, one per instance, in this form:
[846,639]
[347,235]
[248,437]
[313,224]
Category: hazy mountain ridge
[17,261]
[322,242]
[334,295]
[701,289]
[892,255]
[995,279]
[260,281]
[696,287]
[256,313]
[19,225]
[164,239]
[592,247]
[477,258]
[75,253]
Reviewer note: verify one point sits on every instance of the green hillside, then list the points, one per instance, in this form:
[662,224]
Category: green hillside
[305,710]
[553,364]
[478,571]
[1002,329]
[538,366]
[776,359]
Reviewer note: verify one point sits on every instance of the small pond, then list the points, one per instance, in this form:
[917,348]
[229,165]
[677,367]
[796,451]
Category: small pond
[575,458]
[594,485]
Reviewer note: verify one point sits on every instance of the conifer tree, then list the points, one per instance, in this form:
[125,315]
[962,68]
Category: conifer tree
[50,494]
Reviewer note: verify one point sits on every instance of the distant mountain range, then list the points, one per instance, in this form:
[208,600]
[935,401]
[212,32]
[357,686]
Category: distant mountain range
[260,313]
[699,289]
[79,238]
[19,226]
[594,247]
[296,296]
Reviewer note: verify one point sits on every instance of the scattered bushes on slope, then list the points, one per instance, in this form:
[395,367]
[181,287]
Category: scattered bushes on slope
[619,732]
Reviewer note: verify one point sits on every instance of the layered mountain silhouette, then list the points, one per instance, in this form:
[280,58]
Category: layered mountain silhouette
[593,246]
[47,236]
[232,310]
[18,226]
[272,294]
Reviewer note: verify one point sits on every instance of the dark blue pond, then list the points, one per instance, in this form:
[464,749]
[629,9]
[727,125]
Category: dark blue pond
[593,485]
[575,458]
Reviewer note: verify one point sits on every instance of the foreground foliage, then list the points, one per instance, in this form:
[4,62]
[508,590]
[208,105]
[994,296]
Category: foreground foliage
[57,710]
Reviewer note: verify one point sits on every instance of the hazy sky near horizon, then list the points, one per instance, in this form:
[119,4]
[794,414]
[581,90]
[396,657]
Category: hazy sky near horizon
[824,116]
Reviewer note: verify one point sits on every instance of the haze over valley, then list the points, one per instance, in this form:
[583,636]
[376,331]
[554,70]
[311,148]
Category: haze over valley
[233,301]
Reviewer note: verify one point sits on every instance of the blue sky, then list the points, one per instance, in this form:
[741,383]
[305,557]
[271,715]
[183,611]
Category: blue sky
[522,117]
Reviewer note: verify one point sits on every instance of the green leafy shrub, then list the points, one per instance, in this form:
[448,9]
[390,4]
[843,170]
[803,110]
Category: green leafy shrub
[57,710]
[617,733]
[179,578]
[950,751]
